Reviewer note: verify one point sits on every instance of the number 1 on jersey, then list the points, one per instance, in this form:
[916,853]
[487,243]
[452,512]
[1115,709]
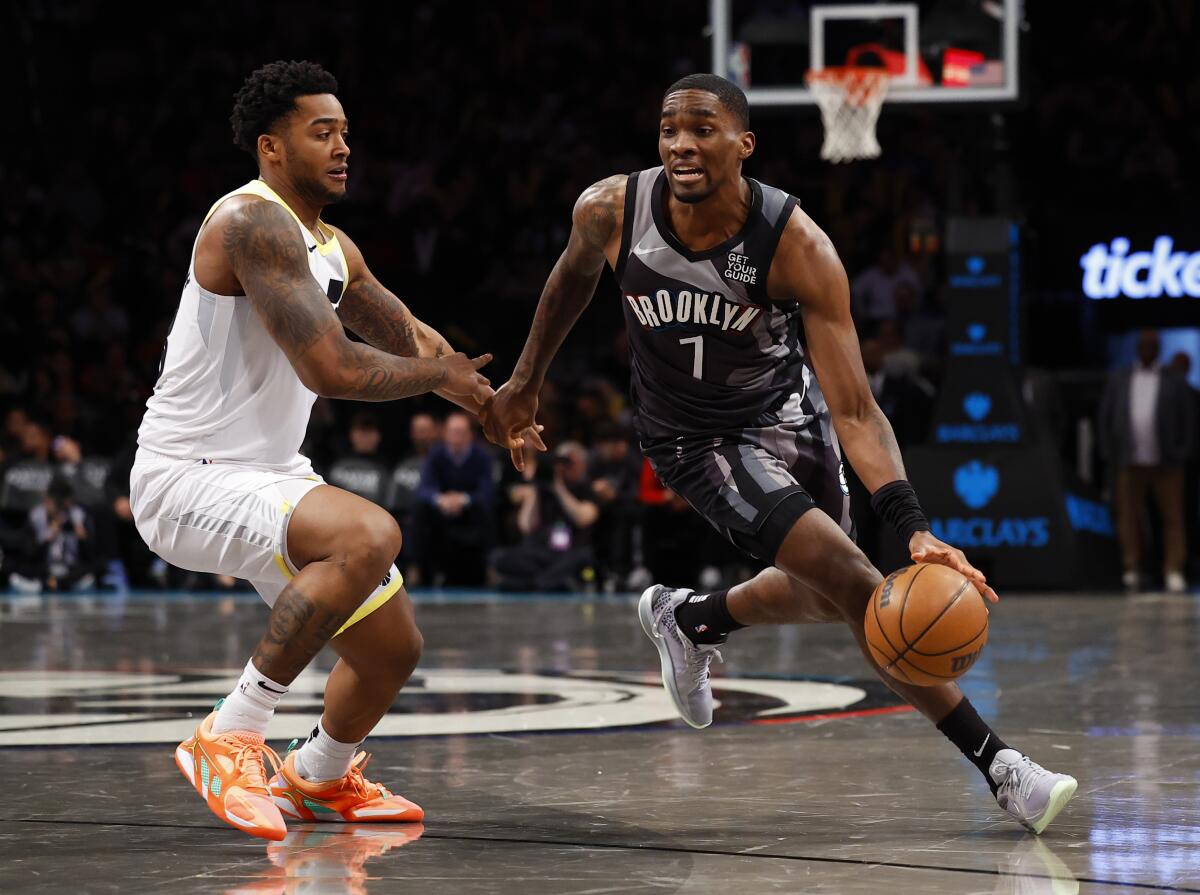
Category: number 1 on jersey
[698,359]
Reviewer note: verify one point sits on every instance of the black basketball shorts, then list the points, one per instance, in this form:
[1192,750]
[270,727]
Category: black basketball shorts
[753,486]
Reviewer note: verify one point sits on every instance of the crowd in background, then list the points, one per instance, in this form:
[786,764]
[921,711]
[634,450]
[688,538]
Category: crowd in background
[471,138]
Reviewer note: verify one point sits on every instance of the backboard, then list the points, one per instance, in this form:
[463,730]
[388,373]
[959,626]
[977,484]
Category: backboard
[943,51]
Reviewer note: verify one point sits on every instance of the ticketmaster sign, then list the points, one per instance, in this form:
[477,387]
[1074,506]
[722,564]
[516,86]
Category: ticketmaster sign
[1112,271]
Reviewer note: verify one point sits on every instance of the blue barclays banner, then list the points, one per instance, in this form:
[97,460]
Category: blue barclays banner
[1015,515]
[979,404]
[983,279]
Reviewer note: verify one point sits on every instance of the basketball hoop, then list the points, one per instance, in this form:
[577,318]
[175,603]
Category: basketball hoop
[850,98]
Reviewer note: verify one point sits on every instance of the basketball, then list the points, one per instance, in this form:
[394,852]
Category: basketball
[926,624]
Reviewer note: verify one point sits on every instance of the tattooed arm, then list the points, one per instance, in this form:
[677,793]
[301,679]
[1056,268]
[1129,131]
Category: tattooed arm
[595,237]
[377,315]
[261,247]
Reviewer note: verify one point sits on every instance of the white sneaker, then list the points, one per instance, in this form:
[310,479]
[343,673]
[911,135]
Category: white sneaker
[684,664]
[1130,581]
[1029,792]
[23,585]
[1176,583]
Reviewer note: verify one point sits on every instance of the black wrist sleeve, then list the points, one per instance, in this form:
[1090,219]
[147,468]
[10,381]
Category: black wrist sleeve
[896,503]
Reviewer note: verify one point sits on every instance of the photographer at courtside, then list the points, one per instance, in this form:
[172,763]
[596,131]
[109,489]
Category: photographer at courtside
[555,516]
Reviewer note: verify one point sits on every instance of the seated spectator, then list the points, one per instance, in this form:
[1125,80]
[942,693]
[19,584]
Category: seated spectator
[62,533]
[361,469]
[616,470]
[453,522]
[905,397]
[423,434]
[556,514]
[135,557]
[874,290]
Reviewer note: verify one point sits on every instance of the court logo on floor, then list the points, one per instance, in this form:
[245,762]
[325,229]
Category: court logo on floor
[42,708]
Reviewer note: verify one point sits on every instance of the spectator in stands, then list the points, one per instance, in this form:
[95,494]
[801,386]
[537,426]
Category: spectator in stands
[874,290]
[365,437]
[15,421]
[36,441]
[556,514]
[361,468]
[454,508]
[142,568]
[423,434]
[1147,433]
[616,469]
[62,533]
[901,392]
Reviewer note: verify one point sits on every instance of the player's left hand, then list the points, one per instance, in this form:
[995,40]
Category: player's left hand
[509,419]
[924,547]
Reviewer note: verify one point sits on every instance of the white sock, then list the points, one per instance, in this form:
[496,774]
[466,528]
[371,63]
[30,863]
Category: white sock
[324,758]
[251,704]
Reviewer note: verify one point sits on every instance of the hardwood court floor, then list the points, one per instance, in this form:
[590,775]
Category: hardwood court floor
[545,754]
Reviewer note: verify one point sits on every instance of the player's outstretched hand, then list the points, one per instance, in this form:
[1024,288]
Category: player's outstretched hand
[924,547]
[508,420]
[463,379]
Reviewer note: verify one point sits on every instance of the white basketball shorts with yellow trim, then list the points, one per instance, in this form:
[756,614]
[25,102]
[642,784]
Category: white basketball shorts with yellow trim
[229,519]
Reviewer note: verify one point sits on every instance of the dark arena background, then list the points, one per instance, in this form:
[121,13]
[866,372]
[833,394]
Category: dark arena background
[1024,261]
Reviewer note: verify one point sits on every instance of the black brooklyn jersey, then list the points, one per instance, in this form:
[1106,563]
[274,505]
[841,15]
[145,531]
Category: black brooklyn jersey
[711,354]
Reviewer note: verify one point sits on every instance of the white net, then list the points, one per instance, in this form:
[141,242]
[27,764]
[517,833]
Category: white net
[850,100]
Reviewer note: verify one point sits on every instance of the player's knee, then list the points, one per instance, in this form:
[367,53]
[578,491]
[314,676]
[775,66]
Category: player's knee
[856,578]
[403,652]
[374,543]
[408,652]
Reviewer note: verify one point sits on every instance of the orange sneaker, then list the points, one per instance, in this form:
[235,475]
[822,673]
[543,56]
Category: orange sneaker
[352,799]
[227,770]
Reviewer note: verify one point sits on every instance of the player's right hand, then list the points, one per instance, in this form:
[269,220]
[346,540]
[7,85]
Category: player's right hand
[508,419]
[463,379]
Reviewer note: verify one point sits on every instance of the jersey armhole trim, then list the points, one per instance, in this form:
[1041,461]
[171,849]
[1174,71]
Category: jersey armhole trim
[761,295]
[627,224]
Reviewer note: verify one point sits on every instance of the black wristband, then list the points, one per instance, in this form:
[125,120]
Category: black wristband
[896,503]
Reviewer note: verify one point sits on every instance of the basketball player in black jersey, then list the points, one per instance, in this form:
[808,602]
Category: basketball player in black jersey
[718,273]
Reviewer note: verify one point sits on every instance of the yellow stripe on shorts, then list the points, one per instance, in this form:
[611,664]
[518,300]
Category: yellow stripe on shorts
[366,608]
[374,603]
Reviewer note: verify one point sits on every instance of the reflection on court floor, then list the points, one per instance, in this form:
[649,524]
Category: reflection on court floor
[546,755]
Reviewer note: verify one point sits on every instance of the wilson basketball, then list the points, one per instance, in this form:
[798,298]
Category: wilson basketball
[926,624]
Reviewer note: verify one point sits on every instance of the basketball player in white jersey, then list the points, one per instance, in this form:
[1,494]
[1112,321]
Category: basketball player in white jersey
[219,484]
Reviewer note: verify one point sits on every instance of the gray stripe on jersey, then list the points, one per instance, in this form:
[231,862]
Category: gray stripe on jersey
[729,489]
[231,360]
[643,214]
[768,479]
[772,203]
[206,310]
[653,251]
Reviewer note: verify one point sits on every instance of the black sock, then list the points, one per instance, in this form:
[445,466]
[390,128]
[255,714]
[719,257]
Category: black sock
[705,619]
[974,739]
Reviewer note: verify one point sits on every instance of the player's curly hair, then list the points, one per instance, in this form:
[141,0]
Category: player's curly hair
[728,93]
[269,94]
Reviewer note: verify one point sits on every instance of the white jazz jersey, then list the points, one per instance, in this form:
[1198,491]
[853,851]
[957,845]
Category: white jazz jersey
[226,391]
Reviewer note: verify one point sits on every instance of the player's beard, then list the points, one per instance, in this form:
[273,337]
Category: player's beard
[694,198]
[316,192]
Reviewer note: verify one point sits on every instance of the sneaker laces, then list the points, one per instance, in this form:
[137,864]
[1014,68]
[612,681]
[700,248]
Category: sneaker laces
[364,788]
[248,757]
[698,658]
[1022,777]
